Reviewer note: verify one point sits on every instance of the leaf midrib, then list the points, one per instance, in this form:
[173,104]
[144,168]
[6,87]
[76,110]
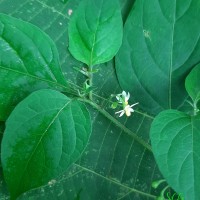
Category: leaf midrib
[33,76]
[43,135]
[171,58]
[116,182]
[35,47]
[94,36]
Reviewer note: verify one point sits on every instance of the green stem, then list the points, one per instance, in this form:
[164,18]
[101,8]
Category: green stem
[90,77]
[196,110]
[117,123]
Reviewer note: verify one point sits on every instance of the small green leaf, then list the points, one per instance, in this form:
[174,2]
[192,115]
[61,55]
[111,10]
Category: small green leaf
[192,84]
[28,61]
[95,31]
[175,140]
[114,105]
[44,135]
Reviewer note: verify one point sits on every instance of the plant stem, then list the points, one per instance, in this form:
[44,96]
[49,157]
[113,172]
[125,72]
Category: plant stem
[90,77]
[117,123]
[196,110]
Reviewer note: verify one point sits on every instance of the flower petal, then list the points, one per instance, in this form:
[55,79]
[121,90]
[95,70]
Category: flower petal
[124,94]
[127,96]
[131,109]
[134,104]
[119,111]
[128,113]
[122,113]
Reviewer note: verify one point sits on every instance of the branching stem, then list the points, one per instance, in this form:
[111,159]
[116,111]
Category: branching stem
[117,123]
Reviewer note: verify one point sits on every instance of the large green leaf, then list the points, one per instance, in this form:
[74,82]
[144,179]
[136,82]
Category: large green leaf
[44,135]
[160,44]
[175,140]
[117,163]
[28,61]
[95,31]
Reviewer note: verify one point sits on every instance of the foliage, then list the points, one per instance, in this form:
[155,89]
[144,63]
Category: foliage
[94,27]
[69,69]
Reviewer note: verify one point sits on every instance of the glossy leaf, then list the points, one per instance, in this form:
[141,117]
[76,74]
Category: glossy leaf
[95,31]
[44,135]
[160,45]
[175,140]
[115,165]
[28,61]
[192,84]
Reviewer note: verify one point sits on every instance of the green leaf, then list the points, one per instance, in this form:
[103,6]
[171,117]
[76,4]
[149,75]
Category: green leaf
[192,84]
[95,31]
[114,165]
[114,105]
[2,128]
[28,61]
[44,135]
[175,140]
[126,6]
[160,45]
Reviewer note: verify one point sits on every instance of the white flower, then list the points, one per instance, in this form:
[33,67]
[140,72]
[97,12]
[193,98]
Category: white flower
[127,110]
[123,98]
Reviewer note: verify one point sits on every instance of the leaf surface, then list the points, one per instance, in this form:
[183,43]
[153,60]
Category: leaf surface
[95,31]
[126,6]
[192,84]
[115,164]
[161,44]
[175,140]
[44,135]
[28,61]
